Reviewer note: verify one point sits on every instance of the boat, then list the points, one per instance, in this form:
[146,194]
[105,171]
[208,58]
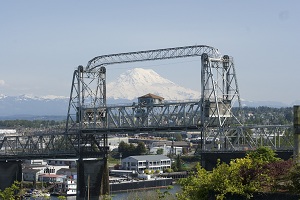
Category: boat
[66,188]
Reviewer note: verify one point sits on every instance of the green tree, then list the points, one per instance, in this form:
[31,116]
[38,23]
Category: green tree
[141,148]
[197,186]
[130,150]
[179,163]
[240,177]
[9,192]
[160,151]
[294,176]
[178,137]
[262,155]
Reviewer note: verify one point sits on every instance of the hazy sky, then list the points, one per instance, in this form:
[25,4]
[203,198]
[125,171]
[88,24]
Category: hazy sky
[42,42]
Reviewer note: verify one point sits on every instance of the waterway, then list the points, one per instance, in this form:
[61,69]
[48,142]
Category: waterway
[126,195]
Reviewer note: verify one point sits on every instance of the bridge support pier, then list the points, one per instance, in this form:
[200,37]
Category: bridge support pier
[10,171]
[92,179]
[297,134]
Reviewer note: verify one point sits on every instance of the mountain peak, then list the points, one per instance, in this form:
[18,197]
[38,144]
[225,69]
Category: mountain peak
[142,76]
[138,81]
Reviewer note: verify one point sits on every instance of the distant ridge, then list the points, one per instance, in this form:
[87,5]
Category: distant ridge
[125,89]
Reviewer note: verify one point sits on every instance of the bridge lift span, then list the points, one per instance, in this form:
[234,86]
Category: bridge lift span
[90,117]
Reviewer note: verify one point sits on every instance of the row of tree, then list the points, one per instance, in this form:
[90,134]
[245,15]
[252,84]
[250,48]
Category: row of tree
[252,115]
[30,123]
[131,150]
[267,115]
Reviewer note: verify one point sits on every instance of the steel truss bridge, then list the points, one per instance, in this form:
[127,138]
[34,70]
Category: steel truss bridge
[217,115]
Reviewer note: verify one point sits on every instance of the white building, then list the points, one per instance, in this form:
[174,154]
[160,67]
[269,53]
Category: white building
[167,150]
[68,187]
[35,162]
[70,173]
[33,172]
[63,162]
[151,162]
[114,142]
[51,178]
[8,132]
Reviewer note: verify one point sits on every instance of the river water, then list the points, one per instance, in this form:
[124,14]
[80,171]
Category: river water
[126,195]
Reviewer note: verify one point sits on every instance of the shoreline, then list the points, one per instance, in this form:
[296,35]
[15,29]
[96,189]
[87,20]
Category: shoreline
[139,189]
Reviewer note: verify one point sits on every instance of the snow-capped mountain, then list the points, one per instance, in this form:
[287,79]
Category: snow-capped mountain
[138,82]
[126,88]
[33,105]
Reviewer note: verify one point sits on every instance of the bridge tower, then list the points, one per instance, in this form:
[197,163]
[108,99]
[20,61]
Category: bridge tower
[86,111]
[219,96]
[219,92]
[90,120]
[87,99]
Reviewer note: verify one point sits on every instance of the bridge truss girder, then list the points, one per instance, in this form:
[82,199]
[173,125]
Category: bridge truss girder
[180,115]
[150,55]
[88,109]
[92,143]
[53,145]
[243,138]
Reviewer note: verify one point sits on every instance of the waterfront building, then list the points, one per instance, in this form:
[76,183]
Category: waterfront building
[31,174]
[68,187]
[71,163]
[51,178]
[35,162]
[151,162]
[71,173]
[167,150]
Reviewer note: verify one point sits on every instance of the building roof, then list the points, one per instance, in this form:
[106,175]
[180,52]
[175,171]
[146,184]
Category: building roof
[170,143]
[149,95]
[149,157]
[67,159]
[30,170]
[67,170]
[52,175]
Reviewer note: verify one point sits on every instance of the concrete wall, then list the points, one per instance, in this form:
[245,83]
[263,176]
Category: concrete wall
[10,171]
[92,179]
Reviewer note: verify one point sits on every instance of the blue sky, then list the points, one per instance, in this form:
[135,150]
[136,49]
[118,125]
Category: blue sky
[42,42]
